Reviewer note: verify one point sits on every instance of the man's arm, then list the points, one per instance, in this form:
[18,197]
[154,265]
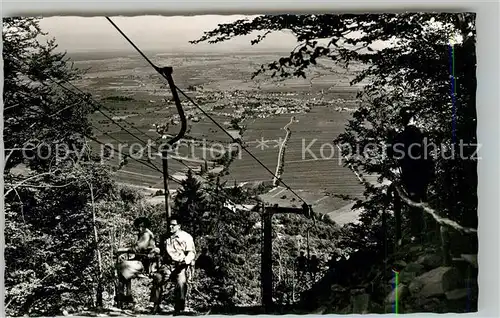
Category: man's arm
[189,249]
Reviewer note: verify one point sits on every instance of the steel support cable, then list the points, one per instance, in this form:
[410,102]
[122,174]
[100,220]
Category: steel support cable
[148,162]
[238,141]
[119,142]
[100,105]
[202,110]
[97,106]
[130,124]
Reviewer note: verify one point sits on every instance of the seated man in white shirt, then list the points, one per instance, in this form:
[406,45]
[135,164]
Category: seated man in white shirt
[179,253]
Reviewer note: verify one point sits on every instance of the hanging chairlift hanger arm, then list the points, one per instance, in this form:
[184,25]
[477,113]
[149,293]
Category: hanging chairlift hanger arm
[166,72]
[173,87]
[194,103]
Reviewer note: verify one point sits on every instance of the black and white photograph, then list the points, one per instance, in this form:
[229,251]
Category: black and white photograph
[261,164]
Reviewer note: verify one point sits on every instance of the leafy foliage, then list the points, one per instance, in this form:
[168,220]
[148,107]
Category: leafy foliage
[33,104]
[232,239]
[220,231]
[49,237]
[417,70]
[414,73]
[50,253]
[50,249]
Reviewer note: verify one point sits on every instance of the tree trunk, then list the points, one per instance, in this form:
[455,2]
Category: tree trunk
[293,283]
[445,245]
[112,240]
[397,217]
[100,290]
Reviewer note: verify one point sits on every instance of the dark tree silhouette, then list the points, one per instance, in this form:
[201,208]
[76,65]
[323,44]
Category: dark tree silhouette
[190,206]
[52,259]
[413,73]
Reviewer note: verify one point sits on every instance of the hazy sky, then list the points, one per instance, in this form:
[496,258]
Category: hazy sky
[77,34]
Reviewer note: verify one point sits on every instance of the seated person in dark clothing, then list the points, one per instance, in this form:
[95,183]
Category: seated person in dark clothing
[145,250]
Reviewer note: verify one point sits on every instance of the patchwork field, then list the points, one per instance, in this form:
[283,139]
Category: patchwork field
[134,94]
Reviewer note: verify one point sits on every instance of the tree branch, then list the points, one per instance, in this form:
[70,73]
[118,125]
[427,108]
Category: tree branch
[22,205]
[42,186]
[7,157]
[27,179]
[425,207]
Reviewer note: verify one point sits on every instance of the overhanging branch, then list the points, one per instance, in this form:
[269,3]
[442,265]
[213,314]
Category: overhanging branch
[425,207]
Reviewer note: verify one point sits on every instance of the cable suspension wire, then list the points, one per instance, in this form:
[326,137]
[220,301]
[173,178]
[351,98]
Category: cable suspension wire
[239,142]
[92,102]
[89,101]
[120,142]
[97,106]
[151,165]
[203,111]
[130,124]
[177,181]
[100,105]
[148,163]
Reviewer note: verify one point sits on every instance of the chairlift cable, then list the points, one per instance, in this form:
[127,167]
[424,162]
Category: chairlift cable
[148,164]
[202,110]
[98,106]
